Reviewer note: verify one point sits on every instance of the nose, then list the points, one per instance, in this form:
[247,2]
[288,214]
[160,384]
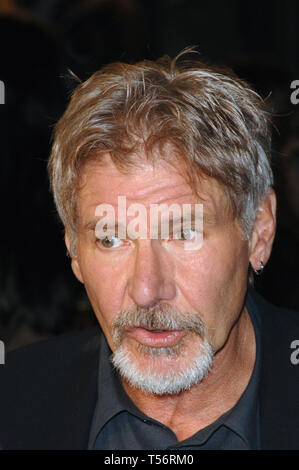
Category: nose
[150,282]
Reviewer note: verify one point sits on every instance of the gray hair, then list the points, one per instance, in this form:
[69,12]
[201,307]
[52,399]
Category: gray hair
[216,124]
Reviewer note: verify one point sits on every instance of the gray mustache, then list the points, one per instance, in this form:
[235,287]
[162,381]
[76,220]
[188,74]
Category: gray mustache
[159,317]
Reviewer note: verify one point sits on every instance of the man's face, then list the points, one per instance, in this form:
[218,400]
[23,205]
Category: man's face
[200,291]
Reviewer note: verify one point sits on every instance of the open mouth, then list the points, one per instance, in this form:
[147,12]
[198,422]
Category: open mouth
[156,338]
[155,330]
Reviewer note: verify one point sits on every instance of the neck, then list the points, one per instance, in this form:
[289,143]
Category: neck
[194,409]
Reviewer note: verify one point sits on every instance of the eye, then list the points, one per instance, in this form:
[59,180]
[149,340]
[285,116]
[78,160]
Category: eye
[110,242]
[186,234]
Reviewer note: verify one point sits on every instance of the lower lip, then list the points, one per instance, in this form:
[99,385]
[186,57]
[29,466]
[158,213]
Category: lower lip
[163,339]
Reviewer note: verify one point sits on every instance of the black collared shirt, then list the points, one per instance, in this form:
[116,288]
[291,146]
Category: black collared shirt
[119,425]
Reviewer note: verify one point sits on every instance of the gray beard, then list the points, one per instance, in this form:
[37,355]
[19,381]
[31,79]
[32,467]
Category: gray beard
[173,380]
[170,382]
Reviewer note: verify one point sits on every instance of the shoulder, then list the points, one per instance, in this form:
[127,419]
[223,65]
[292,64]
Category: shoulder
[47,362]
[279,376]
[272,316]
[54,352]
[279,333]
[48,388]
[30,370]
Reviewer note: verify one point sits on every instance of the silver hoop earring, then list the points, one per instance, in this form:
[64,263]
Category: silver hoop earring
[258,272]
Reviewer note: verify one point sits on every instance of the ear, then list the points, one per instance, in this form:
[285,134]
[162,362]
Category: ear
[75,264]
[263,231]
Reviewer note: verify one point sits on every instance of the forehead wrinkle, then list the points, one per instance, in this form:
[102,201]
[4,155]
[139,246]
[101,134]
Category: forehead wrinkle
[211,198]
[146,189]
[147,172]
[173,198]
[210,209]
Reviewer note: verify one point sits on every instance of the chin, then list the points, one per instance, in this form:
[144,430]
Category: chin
[163,371]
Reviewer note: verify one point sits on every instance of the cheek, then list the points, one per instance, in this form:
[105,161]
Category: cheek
[208,272]
[104,286]
[213,281]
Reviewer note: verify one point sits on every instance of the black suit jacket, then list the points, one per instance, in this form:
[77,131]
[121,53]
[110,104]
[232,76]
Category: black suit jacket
[48,390]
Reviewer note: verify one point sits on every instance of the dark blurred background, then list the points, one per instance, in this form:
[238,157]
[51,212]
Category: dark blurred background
[40,41]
